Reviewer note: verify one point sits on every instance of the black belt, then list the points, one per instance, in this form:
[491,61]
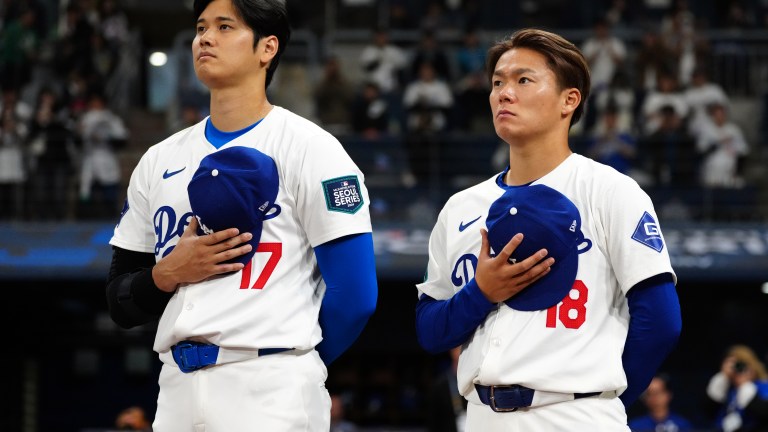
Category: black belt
[191,355]
[508,398]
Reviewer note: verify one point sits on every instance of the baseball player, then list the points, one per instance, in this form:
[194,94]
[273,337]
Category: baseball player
[564,305]
[249,236]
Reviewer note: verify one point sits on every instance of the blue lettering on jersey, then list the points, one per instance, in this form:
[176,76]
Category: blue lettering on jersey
[342,194]
[167,228]
[464,270]
[647,232]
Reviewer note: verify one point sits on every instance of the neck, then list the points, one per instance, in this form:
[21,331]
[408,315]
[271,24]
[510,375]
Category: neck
[660,413]
[235,108]
[531,160]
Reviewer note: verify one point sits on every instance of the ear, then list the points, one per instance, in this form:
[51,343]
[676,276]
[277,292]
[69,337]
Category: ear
[267,47]
[571,100]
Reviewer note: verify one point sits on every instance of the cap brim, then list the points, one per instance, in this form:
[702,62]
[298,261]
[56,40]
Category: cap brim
[550,289]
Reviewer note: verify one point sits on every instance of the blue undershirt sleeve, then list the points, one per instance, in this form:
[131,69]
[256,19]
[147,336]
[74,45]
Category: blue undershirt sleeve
[348,267]
[445,324]
[654,328]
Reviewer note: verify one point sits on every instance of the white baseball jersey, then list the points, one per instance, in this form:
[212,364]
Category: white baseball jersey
[575,346]
[275,300]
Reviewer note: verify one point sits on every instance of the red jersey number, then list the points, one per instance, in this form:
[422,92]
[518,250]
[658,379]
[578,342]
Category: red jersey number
[572,312]
[276,252]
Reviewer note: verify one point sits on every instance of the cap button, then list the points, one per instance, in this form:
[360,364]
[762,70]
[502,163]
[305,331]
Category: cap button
[215,172]
[513,211]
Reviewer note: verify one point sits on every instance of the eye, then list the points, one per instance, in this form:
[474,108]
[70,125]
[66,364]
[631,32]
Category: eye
[225,27]
[497,83]
[524,80]
[200,29]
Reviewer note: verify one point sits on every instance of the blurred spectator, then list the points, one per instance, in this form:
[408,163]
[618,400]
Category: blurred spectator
[660,418]
[723,149]
[18,50]
[383,62]
[429,51]
[370,112]
[114,24]
[739,391]
[621,96]
[102,133]
[605,54]
[133,419]
[666,95]
[52,148]
[436,17]
[400,17]
[103,59]
[333,96]
[611,145]
[470,56]
[339,422]
[699,96]
[618,14]
[472,110]
[12,164]
[428,99]
[669,150]
[74,43]
[651,60]
[678,32]
[446,408]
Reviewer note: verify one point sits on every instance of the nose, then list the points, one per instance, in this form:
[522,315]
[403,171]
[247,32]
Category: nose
[205,38]
[506,94]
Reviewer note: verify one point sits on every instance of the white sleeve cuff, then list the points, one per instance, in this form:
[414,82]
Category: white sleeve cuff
[745,394]
[717,389]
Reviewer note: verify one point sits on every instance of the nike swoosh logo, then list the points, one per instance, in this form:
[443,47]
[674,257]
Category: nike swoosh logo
[463,226]
[167,174]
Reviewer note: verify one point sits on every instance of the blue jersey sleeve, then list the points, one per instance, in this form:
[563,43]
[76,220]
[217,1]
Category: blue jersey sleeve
[654,328]
[348,267]
[445,324]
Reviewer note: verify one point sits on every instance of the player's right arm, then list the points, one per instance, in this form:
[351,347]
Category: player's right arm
[138,288]
[442,324]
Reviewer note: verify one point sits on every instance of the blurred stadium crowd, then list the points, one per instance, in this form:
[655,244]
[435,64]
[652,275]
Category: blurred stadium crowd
[678,100]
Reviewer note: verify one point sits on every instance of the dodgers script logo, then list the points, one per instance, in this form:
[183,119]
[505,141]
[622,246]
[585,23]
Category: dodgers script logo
[168,228]
[342,194]
[464,270]
[648,233]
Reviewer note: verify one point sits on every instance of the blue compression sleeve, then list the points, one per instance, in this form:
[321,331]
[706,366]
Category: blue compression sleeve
[348,267]
[445,324]
[654,328]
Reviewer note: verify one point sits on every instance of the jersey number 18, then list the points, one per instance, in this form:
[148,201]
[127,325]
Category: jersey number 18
[572,312]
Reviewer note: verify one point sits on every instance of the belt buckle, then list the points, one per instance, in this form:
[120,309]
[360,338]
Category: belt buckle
[182,348]
[493,399]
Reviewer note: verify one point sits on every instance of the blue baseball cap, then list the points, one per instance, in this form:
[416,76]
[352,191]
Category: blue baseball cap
[547,219]
[235,188]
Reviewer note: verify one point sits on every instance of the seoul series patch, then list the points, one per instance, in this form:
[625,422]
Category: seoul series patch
[647,232]
[342,194]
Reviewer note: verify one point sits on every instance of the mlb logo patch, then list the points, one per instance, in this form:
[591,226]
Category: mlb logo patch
[648,233]
[342,194]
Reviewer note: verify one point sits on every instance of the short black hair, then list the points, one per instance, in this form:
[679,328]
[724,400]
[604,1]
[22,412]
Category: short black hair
[265,18]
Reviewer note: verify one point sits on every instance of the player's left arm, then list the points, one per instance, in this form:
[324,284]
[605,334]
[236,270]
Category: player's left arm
[349,269]
[654,328]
